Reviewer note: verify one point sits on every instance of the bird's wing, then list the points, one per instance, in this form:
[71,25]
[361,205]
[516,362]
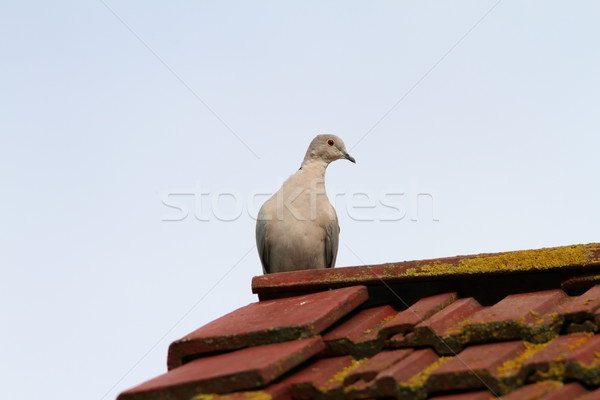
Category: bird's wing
[331,241]
[261,244]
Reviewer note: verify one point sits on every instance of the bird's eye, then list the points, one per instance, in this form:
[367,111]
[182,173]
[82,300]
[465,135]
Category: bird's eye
[330,142]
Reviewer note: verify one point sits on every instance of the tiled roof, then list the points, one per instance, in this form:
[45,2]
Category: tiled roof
[519,325]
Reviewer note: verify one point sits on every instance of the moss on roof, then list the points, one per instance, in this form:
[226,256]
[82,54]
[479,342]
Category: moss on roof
[341,375]
[512,366]
[417,381]
[525,260]
[253,395]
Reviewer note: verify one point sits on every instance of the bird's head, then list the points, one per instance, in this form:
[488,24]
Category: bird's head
[327,148]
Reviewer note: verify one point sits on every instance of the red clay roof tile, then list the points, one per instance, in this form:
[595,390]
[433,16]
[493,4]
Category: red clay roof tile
[268,322]
[580,308]
[476,367]
[238,370]
[325,375]
[549,390]
[481,395]
[358,336]
[319,371]
[441,322]
[442,330]
[385,384]
[361,390]
[405,321]
[517,316]
[486,357]
[558,350]
[566,391]
[373,366]
[566,357]
[588,354]
[408,374]
[595,395]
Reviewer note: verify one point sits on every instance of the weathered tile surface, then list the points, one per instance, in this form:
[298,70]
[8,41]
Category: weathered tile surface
[443,330]
[359,335]
[476,367]
[579,311]
[268,322]
[373,366]
[409,375]
[525,315]
[549,390]
[595,395]
[406,320]
[244,369]
[480,395]
[325,375]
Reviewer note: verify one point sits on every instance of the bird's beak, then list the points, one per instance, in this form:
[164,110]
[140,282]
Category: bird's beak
[349,157]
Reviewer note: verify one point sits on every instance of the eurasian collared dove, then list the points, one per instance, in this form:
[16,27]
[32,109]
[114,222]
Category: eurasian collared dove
[297,228]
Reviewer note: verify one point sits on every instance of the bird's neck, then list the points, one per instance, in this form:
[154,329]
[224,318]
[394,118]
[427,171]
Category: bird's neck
[314,166]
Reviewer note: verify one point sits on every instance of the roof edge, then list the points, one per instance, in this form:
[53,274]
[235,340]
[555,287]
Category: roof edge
[580,257]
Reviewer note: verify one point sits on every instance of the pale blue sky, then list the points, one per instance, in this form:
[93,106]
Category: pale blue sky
[504,133]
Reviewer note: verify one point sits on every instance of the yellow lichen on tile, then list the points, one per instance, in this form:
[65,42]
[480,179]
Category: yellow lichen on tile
[418,380]
[594,363]
[524,260]
[551,384]
[585,336]
[253,395]
[530,259]
[485,330]
[437,268]
[543,318]
[341,375]
[260,395]
[588,374]
[541,336]
[555,371]
[543,329]
[458,327]
[512,366]
[379,325]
